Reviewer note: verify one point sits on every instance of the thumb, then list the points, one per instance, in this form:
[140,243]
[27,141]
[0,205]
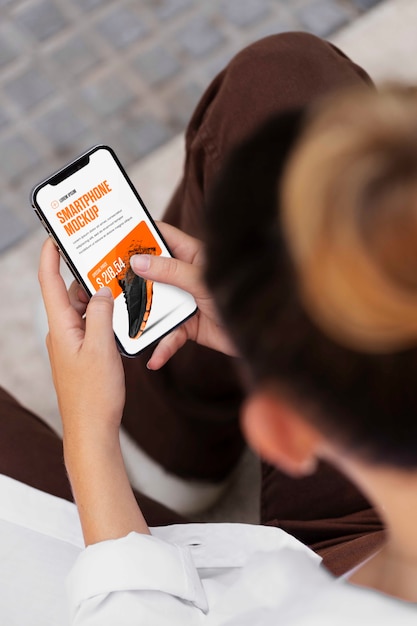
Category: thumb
[99,317]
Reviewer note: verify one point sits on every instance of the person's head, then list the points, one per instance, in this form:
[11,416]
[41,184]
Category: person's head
[312,260]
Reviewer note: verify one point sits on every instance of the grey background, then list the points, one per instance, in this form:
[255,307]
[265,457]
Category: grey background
[75,73]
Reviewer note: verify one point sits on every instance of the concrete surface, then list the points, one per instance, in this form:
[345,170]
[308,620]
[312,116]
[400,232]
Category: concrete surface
[73,74]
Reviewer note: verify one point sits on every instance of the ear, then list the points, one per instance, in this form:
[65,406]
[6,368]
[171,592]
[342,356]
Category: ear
[280,435]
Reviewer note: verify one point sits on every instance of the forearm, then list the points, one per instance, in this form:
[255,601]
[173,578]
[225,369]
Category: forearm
[101,488]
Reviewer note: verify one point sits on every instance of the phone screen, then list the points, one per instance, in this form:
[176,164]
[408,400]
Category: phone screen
[99,221]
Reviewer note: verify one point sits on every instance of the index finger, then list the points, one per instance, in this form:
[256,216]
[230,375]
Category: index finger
[182,246]
[54,291]
[170,271]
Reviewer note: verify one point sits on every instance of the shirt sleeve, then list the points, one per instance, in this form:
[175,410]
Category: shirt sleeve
[133,580]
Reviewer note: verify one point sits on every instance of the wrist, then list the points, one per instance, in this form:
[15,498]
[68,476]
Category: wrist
[100,486]
[84,444]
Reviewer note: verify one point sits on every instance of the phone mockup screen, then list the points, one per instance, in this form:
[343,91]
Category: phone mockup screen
[99,222]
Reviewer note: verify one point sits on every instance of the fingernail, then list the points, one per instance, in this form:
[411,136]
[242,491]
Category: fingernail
[104,292]
[140,262]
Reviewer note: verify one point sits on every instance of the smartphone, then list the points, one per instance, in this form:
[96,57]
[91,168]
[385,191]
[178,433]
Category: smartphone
[98,221]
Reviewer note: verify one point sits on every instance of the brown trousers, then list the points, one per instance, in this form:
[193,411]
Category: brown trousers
[186,415]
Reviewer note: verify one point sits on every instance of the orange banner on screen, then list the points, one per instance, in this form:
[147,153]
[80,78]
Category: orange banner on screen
[113,267]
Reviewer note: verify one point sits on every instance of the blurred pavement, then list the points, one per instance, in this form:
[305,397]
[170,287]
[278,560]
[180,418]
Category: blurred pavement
[123,72]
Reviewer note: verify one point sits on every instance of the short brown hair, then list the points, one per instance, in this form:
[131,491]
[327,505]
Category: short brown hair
[271,236]
[350,217]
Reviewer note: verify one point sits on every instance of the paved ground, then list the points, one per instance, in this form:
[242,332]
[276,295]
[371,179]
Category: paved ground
[75,73]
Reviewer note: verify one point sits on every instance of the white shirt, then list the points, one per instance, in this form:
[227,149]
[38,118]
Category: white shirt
[211,574]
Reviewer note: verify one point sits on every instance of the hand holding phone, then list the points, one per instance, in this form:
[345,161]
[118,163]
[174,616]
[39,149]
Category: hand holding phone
[98,221]
[86,365]
[90,385]
[184,270]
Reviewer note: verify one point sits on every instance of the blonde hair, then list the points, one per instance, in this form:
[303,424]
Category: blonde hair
[350,218]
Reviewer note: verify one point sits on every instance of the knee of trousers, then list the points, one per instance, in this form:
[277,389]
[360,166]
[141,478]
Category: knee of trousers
[274,74]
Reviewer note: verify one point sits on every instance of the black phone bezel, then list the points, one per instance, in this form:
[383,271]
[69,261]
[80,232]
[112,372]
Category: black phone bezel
[67,170]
